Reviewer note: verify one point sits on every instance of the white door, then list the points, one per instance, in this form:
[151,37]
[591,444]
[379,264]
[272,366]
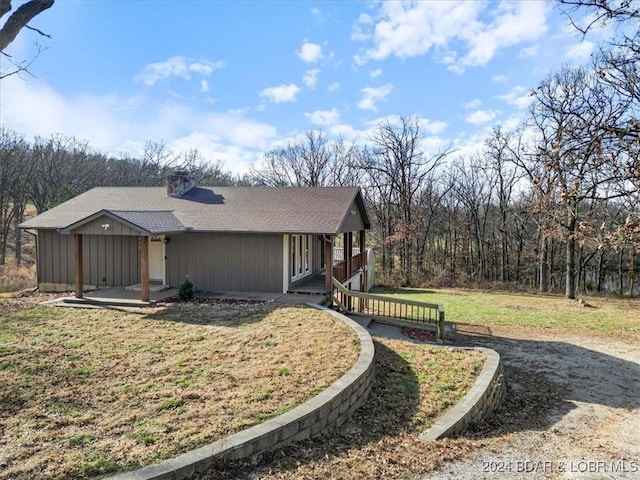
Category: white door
[156,259]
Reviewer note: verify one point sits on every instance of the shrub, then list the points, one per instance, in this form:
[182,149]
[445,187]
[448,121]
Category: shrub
[186,290]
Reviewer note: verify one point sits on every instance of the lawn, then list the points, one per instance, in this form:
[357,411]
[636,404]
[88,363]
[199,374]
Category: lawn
[603,315]
[88,392]
[414,385]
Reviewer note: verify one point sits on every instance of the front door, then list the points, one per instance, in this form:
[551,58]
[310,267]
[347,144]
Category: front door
[156,259]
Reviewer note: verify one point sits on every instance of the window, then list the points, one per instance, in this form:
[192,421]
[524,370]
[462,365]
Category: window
[300,256]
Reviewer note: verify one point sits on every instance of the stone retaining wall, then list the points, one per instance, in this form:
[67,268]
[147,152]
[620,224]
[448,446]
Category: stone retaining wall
[327,410]
[485,396]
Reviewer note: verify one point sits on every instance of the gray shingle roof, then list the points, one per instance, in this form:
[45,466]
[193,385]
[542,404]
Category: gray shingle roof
[153,222]
[232,209]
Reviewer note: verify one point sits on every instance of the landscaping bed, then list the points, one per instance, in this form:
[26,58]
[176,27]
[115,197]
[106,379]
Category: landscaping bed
[88,392]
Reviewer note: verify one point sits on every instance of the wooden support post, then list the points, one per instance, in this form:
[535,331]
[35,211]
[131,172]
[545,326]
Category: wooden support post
[144,269]
[328,262]
[348,256]
[363,259]
[441,326]
[77,241]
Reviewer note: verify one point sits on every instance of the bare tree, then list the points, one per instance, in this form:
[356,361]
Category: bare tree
[310,162]
[578,155]
[14,24]
[400,169]
[63,169]
[15,174]
[500,150]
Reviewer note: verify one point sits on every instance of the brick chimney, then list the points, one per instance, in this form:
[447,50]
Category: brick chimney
[179,182]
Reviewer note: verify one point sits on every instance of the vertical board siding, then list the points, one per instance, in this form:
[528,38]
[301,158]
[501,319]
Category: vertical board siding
[214,262]
[355,222]
[226,261]
[115,228]
[111,257]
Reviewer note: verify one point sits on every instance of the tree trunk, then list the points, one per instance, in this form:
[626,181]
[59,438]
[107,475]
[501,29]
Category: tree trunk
[621,272]
[543,266]
[570,287]
[600,261]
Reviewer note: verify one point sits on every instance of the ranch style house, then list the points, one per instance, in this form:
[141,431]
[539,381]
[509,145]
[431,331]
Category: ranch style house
[247,239]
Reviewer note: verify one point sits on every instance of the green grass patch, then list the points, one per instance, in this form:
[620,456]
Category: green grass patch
[97,463]
[171,404]
[80,439]
[599,314]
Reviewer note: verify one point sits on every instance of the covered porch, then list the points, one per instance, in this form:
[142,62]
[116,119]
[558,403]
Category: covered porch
[343,257]
[147,230]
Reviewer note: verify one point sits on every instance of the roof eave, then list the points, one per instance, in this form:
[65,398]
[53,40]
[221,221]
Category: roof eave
[104,212]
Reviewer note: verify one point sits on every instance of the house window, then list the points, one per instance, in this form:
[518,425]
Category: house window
[300,256]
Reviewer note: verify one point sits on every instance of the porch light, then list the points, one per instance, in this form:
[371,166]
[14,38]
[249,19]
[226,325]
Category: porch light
[166,239]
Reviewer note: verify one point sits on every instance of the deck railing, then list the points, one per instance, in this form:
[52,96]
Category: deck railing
[342,273]
[389,309]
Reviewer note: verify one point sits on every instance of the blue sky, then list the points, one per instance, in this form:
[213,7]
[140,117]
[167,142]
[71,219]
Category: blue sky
[236,79]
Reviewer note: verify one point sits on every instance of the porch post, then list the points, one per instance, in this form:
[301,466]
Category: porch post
[328,262]
[144,269]
[363,257]
[77,243]
[345,254]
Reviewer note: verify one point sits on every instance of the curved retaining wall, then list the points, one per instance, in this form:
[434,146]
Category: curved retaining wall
[327,410]
[485,396]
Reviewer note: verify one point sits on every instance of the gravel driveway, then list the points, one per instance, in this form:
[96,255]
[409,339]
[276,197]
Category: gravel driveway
[572,410]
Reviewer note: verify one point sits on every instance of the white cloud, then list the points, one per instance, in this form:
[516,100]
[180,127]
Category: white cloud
[375,73]
[310,52]
[358,32]
[580,51]
[463,29]
[433,127]
[320,18]
[117,123]
[500,78]
[282,93]
[311,77]
[323,118]
[519,97]
[333,87]
[204,86]
[475,103]
[370,96]
[481,116]
[178,66]
[529,52]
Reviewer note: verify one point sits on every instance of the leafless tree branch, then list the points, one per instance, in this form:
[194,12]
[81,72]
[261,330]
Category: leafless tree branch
[20,18]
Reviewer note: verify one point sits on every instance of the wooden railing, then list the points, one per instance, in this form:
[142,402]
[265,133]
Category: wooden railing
[342,273]
[388,309]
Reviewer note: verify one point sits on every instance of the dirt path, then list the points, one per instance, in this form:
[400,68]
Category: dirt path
[572,411]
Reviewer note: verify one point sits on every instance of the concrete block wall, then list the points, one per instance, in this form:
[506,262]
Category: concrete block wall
[485,396]
[329,409]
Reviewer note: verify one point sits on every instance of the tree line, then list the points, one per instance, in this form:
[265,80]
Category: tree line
[552,204]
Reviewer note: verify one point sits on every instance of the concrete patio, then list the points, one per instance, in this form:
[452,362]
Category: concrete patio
[129,298]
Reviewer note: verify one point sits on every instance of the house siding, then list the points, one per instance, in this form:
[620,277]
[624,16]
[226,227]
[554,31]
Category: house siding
[115,228]
[107,260]
[226,261]
[355,222]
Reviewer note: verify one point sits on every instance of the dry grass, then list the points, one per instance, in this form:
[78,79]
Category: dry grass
[86,392]
[414,385]
[13,279]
